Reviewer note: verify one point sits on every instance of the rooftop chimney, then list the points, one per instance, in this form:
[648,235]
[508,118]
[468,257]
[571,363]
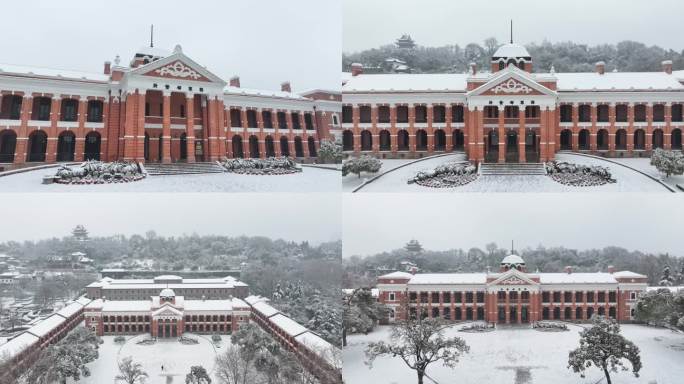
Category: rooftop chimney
[473,69]
[611,269]
[568,269]
[108,67]
[600,67]
[285,87]
[667,66]
[356,69]
[235,81]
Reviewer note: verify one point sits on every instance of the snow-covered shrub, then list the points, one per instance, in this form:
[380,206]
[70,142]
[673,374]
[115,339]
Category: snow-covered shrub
[361,164]
[270,166]
[330,152]
[477,328]
[119,339]
[668,162]
[146,341]
[216,338]
[546,326]
[578,175]
[187,340]
[446,176]
[98,172]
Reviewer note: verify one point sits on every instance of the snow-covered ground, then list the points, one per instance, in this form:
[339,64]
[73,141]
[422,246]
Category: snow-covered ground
[644,165]
[309,180]
[522,356]
[176,358]
[627,179]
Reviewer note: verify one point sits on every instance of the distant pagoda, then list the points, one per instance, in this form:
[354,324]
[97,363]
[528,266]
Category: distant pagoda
[414,247]
[405,41]
[80,234]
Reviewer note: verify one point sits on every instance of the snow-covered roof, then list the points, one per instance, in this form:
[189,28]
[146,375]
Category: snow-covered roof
[577,278]
[397,275]
[320,347]
[18,344]
[167,292]
[617,81]
[32,71]
[261,92]
[288,325]
[83,300]
[449,278]
[70,310]
[425,82]
[265,309]
[679,75]
[629,274]
[513,259]
[253,299]
[44,327]
[168,277]
[120,305]
[208,305]
[566,82]
[511,50]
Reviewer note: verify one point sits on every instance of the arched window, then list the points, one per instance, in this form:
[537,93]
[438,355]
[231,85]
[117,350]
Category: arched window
[385,141]
[284,146]
[657,138]
[66,146]
[677,138]
[254,147]
[566,139]
[421,140]
[270,146]
[366,140]
[639,139]
[37,146]
[583,139]
[312,146]
[237,147]
[402,140]
[440,140]
[8,145]
[458,140]
[299,149]
[621,139]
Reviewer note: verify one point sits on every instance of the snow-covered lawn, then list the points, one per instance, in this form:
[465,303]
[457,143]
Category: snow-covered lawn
[176,358]
[522,356]
[309,180]
[350,182]
[627,179]
[644,165]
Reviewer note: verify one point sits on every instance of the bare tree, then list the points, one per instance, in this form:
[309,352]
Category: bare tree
[232,368]
[419,343]
[131,372]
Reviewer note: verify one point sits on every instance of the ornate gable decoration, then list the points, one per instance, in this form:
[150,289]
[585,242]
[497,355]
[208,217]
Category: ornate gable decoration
[177,70]
[511,86]
[513,280]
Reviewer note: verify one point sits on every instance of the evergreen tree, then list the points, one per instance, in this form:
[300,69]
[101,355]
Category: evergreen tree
[604,347]
[198,375]
[666,280]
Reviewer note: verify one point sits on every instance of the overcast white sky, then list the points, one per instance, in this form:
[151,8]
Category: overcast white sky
[311,217]
[374,223]
[265,42]
[369,24]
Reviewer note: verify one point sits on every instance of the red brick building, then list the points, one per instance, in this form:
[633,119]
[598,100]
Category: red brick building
[511,114]
[163,107]
[513,295]
[166,315]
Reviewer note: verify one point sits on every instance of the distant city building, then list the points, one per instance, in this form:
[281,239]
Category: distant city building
[513,295]
[414,247]
[80,233]
[405,41]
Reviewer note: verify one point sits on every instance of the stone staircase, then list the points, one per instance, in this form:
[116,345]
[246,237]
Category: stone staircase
[512,169]
[157,169]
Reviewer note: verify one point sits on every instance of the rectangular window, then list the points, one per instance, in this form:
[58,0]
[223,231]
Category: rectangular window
[296,124]
[383,114]
[412,297]
[585,113]
[235,118]
[421,114]
[469,297]
[677,114]
[545,297]
[95,111]
[640,113]
[438,114]
[480,297]
[632,296]
[602,113]
[267,118]
[252,118]
[590,297]
[347,114]
[446,297]
[282,120]
[423,297]
[182,111]
[556,297]
[364,114]
[566,113]
[659,112]
[402,114]
[601,297]
[392,296]
[308,121]
[435,297]
[612,296]
[458,297]
[579,297]
[457,114]
[568,297]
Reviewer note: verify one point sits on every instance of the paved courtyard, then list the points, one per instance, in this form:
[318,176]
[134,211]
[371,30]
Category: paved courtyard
[176,358]
[309,180]
[395,179]
[521,356]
